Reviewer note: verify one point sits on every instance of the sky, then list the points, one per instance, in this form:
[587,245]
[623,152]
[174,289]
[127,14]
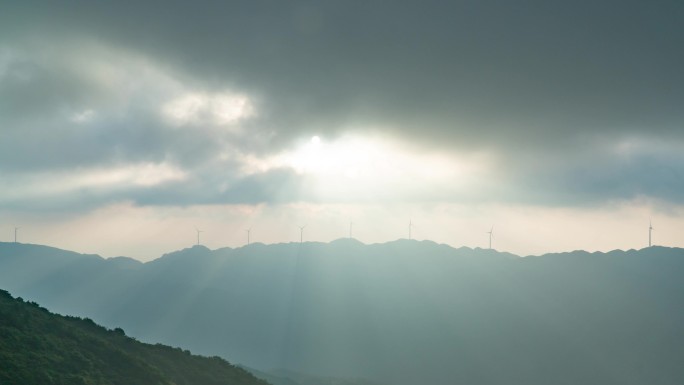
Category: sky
[126,126]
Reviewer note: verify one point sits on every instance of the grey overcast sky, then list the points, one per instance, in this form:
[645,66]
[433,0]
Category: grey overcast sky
[124,125]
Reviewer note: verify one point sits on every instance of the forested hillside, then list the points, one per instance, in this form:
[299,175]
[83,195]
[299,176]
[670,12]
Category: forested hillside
[38,347]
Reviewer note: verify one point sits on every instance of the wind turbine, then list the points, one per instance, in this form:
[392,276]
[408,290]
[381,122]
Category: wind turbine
[249,230]
[491,234]
[301,233]
[15,234]
[650,230]
[410,227]
[198,233]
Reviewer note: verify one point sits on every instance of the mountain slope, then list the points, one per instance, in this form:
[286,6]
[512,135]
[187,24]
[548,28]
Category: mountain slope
[38,347]
[403,312]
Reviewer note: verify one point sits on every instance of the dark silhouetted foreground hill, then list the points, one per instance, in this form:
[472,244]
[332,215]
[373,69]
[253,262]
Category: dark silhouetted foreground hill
[38,347]
[403,312]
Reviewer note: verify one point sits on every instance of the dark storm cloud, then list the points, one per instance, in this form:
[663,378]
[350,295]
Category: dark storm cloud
[597,179]
[531,81]
[538,68]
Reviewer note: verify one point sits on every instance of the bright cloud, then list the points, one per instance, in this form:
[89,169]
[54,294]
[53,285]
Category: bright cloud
[64,184]
[83,116]
[200,108]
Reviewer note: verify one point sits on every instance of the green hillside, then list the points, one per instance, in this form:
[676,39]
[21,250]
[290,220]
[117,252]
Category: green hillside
[38,347]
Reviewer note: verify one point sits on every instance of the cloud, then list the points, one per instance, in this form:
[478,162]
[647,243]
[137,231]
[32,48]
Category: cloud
[472,73]
[222,109]
[541,95]
[90,125]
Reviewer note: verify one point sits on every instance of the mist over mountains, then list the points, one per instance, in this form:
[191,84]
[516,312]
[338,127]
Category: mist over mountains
[403,312]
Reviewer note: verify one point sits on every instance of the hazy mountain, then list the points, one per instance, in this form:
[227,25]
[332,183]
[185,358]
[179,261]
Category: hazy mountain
[402,312]
[38,347]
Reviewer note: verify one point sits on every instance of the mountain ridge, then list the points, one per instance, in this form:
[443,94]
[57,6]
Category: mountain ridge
[340,241]
[403,312]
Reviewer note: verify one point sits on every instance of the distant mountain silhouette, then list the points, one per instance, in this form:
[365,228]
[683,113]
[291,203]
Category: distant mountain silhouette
[38,347]
[402,312]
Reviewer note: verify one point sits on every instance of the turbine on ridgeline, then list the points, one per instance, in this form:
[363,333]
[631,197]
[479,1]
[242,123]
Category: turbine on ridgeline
[15,234]
[249,230]
[650,230]
[301,233]
[198,233]
[410,227]
[491,235]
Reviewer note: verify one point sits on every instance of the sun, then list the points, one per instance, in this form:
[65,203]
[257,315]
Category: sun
[362,167]
[337,158]
[366,167]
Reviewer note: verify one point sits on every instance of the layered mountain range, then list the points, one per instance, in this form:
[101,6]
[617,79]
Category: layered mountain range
[403,312]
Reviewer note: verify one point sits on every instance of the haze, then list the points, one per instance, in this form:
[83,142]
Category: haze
[124,126]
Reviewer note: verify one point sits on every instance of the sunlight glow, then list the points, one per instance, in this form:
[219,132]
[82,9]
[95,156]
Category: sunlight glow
[351,167]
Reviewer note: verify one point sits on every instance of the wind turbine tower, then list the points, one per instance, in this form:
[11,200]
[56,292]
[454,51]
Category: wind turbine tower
[650,230]
[410,227]
[491,234]
[15,234]
[249,230]
[198,233]
[301,233]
